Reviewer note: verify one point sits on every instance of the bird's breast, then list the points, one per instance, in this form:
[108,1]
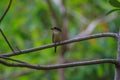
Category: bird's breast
[57,36]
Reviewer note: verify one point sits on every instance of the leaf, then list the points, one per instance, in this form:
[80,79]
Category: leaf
[115,3]
[109,12]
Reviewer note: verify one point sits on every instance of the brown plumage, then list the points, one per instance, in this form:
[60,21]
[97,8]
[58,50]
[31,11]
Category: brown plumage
[56,37]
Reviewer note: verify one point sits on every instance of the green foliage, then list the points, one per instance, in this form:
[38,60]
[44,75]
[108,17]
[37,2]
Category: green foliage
[113,10]
[115,3]
[28,24]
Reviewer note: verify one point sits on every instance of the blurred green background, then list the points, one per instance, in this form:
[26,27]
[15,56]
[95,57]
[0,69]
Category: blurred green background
[28,23]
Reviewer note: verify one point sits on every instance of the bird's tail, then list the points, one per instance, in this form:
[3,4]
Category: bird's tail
[55,48]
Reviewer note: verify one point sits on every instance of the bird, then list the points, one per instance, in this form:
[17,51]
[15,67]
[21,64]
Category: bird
[56,36]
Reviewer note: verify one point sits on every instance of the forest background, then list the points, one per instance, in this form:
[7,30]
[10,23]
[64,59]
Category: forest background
[28,23]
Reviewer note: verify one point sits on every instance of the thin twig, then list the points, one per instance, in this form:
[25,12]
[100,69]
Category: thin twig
[58,66]
[18,49]
[7,40]
[114,35]
[6,11]
[7,58]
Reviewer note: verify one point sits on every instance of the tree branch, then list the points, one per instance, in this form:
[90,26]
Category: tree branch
[58,66]
[114,35]
[6,40]
[117,68]
[6,11]
[93,24]
[7,58]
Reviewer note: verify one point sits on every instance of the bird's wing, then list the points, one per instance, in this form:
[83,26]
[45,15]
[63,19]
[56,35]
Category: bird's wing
[53,37]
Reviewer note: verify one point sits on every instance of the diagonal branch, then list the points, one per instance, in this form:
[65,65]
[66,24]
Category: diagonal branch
[7,58]
[6,11]
[6,40]
[91,27]
[58,66]
[114,35]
